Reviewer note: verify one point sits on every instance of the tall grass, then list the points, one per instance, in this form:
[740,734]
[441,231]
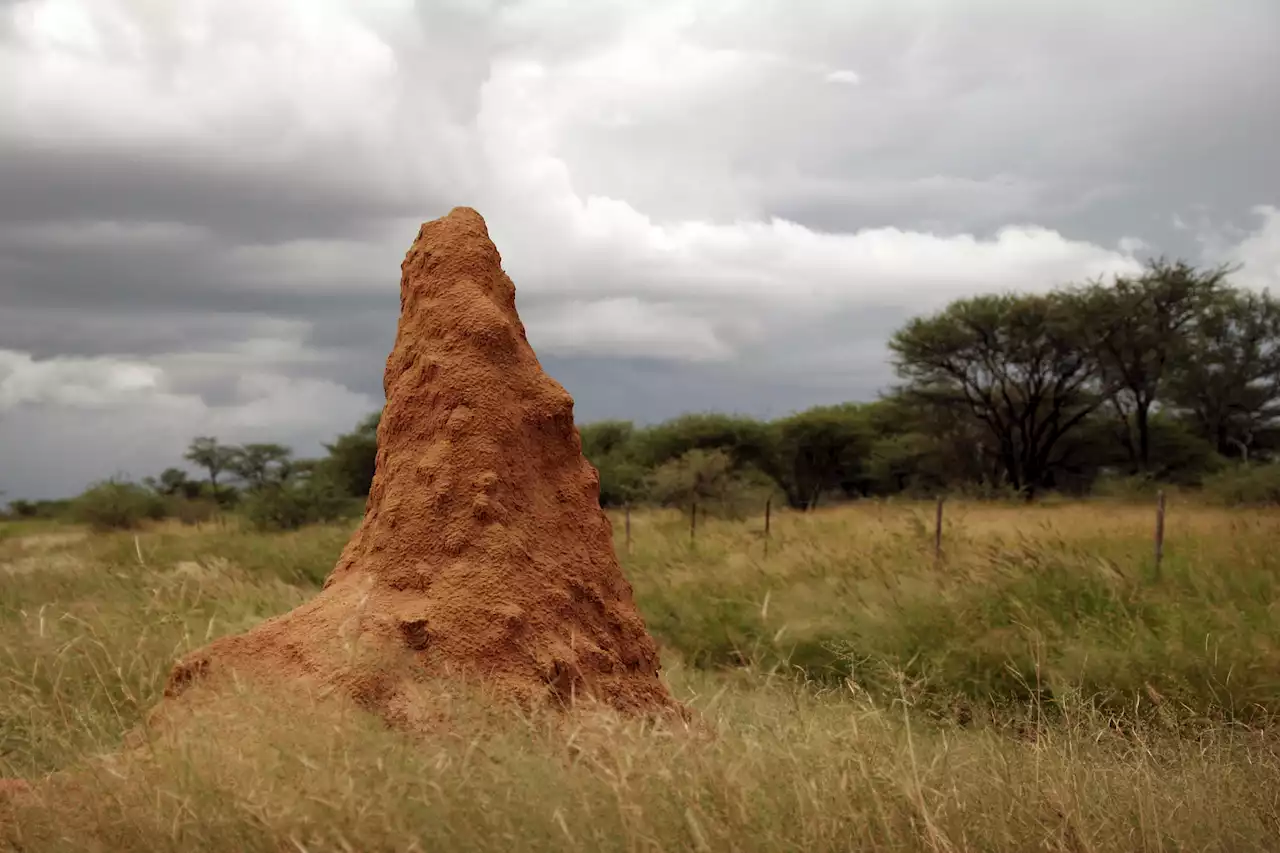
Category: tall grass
[1039,687]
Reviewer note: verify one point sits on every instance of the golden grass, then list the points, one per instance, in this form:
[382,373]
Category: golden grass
[1039,688]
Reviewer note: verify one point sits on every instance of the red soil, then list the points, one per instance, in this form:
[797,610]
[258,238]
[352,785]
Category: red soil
[483,552]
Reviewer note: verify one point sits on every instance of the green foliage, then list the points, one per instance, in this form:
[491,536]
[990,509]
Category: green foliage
[747,441]
[261,465]
[1227,378]
[45,509]
[23,509]
[605,438]
[908,463]
[296,503]
[196,510]
[1246,485]
[1178,454]
[1142,328]
[352,458]
[174,482]
[207,453]
[820,450]
[1020,366]
[709,479]
[117,505]
[610,447]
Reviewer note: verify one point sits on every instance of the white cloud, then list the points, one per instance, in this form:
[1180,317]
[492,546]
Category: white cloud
[226,85]
[1259,252]
[85,419]
[77,383]
[628,327]
[229,65]
[844,76]
[754,273]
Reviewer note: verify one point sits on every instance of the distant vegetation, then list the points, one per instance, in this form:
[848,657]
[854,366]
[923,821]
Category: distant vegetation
[1171,376]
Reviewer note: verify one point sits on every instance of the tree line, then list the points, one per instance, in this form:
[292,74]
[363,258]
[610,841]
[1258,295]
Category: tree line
[264,482]
[1170,375]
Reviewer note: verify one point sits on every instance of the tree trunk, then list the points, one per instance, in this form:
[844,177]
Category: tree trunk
[1143,416]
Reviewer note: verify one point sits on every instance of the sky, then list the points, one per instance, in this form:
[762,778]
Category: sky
[704,204]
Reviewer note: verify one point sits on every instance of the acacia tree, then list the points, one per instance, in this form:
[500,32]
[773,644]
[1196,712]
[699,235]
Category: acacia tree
[1142,324]
[173,482]
[215,458]
[1022,367]
[1227,376]
[260,465]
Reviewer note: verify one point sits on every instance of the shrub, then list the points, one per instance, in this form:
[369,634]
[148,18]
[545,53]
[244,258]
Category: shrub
[289,506]
[23,509]
[1127,487]
[1246,485]
[40,509]
[117,505]
[191,510]
[709,478]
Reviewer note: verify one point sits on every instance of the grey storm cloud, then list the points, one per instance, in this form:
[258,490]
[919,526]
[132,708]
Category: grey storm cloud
[704,205]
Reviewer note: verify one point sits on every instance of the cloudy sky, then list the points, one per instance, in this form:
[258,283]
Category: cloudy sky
[705,204]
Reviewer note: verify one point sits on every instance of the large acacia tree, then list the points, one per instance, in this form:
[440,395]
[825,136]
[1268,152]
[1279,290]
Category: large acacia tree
[1142,327]
[1021,366]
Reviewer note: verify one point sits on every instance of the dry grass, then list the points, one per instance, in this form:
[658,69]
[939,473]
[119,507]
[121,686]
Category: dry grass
[1040,688]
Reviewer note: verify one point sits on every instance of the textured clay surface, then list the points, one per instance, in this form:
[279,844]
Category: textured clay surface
[484,552]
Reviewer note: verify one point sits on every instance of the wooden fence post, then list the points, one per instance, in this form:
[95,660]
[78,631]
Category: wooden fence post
[1159,530]
[693,522]
[937,531]
[768,512]
[628,526]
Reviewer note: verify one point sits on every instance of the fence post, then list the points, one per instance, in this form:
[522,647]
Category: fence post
[937,531]
[768,512]
[693,521]
[628,525]
[1159,530]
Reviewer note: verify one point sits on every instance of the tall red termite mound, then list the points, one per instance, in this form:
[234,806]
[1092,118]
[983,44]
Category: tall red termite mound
[484,551]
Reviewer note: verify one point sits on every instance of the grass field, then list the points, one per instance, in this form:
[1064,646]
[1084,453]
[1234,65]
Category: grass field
[1041,686]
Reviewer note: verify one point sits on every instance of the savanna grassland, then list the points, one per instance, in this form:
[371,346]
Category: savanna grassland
[1040,686]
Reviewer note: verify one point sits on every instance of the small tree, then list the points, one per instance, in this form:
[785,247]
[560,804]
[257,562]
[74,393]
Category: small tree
[24,509]
[174,483]
[709,479]
[206,452]
[260,465]
[818,450]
